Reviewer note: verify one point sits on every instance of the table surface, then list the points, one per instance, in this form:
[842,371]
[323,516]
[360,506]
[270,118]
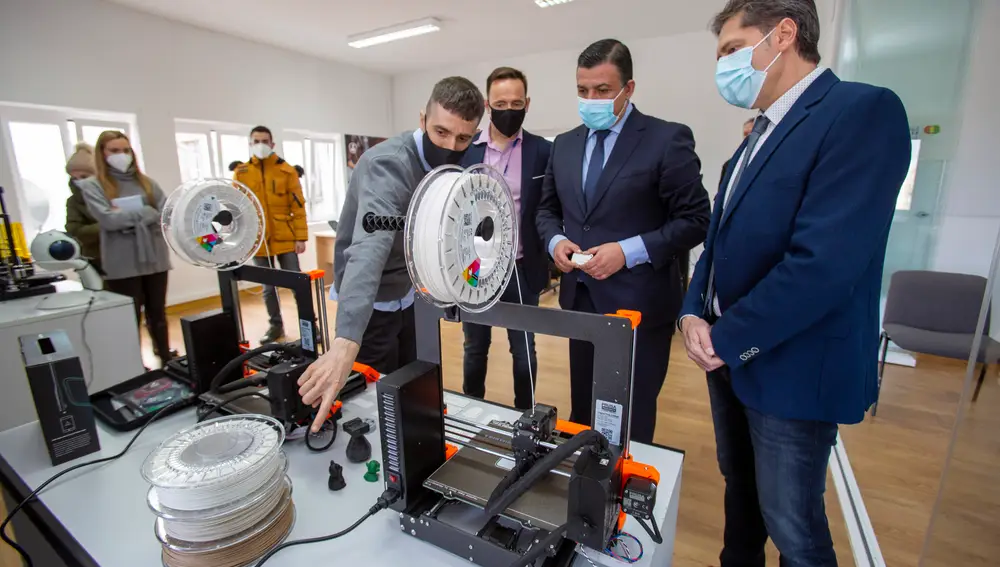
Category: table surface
[25,310]
[104,507]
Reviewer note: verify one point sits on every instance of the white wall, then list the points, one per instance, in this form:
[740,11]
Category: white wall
[968,229]
[675,81]
[674,76]
[90,54]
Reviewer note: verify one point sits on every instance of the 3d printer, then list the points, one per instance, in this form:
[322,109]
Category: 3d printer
[501,494]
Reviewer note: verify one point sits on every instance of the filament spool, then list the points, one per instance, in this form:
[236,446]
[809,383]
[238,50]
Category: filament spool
[213,223]
[460,238]
[220,492]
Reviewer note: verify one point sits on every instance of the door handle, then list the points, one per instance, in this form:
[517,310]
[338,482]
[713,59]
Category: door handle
[922,214]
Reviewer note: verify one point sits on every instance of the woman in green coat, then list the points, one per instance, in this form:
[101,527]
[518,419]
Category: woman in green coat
[80,224]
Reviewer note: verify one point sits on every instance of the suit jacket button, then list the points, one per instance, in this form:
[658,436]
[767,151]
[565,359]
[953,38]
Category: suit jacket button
[586,227]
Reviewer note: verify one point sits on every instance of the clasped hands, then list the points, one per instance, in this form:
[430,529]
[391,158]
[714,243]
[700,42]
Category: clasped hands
[698,343]
[607,259]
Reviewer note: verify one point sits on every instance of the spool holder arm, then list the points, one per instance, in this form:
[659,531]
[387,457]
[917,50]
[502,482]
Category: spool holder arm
[391,223]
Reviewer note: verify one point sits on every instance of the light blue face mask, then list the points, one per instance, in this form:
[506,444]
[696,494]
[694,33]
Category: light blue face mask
[599,114]
[739,83]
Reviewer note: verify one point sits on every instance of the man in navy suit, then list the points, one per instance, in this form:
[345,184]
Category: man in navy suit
[625,190]
[782,311]
[521,158]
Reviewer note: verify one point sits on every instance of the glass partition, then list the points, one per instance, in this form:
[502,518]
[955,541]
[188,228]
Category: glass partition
[965,525]
[934,281]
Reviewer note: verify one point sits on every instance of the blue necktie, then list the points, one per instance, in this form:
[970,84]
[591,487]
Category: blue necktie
[594,169]
[759,127]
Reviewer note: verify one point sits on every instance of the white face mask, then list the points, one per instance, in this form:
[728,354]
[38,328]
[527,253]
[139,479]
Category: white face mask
[121,162]
[261,150]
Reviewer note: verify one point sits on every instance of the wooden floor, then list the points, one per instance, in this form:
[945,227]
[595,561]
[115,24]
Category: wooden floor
[898,457]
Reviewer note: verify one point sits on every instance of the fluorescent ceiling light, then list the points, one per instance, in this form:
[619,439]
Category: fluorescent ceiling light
[547,3]
[393,33]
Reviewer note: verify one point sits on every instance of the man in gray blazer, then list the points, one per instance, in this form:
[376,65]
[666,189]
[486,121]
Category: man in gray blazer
[371,284]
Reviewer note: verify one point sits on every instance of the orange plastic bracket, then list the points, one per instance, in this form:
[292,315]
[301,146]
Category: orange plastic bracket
[631,468]
[316,275]
[449,451]
[634,316]
[336,407]
[569,428]
[370,374]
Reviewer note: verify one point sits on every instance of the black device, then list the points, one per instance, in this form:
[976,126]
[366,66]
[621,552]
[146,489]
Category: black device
[412,395]
[60,394]
[283,389]
[17,276]
[562,485]
[211,340]
[359,449]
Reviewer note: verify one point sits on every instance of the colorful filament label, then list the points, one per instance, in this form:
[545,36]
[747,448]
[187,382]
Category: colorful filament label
[471,274]
[209,241]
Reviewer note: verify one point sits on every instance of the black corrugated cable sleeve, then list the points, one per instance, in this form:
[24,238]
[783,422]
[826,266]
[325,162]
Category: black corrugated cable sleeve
[499,502]
[234,363]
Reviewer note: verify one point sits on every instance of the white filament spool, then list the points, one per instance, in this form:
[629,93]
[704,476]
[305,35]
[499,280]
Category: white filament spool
[213,223]
[448,263]
[215,462]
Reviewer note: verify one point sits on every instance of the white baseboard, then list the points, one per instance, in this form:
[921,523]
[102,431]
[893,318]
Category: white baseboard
[864,544]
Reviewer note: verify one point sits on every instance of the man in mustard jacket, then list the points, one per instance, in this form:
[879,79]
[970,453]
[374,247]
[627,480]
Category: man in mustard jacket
[275,182]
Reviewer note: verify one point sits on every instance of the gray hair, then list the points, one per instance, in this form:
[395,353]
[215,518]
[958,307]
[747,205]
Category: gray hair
[765,14]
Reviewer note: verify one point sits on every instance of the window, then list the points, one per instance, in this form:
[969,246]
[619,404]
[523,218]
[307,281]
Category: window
[324,183]
[205,149]
[193,156]
[233,147]
[41,161]
[40,140]
[905,199]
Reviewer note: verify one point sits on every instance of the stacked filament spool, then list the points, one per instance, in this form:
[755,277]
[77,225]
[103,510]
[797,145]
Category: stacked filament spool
[220,492]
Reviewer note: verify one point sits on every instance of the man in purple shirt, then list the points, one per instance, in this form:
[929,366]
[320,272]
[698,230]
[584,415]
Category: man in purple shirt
[521,158]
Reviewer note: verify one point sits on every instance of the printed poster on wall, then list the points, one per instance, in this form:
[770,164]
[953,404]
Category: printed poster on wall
[356,147]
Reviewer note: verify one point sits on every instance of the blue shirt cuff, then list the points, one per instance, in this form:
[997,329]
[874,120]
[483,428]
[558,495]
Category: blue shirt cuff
[635,251]
[552,244]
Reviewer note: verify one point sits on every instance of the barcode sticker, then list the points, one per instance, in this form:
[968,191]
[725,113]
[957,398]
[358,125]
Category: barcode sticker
[306,334]
[608,421]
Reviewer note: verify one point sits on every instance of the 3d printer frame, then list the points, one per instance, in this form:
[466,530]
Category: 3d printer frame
[306,287]
[412,416]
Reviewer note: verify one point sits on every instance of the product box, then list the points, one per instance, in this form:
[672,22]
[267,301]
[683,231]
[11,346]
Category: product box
[60,393]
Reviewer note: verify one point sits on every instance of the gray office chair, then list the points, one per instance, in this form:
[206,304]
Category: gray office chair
[936,313]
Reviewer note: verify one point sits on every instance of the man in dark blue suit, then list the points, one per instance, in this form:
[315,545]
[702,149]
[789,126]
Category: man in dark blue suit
[521,158]
[782,311]
[622,200]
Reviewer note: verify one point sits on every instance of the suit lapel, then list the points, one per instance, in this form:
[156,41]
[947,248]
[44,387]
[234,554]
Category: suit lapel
[528,158]
[627,141]
[577,147]
[799,111]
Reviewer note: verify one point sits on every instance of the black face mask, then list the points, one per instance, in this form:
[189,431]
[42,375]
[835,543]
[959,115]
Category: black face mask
[507,121]
[437,156]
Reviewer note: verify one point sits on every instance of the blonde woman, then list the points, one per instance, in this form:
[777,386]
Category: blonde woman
[127,205]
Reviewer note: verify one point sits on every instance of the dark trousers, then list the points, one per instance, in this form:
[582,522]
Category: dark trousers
[775,472]
[287,261]
[522,350]
[149,294]
[390,341]
[652,356]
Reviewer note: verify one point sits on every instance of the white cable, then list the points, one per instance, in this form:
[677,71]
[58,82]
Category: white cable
[527,344]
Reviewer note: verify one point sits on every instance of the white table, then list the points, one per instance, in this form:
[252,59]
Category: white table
[111,335]
[98,516]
